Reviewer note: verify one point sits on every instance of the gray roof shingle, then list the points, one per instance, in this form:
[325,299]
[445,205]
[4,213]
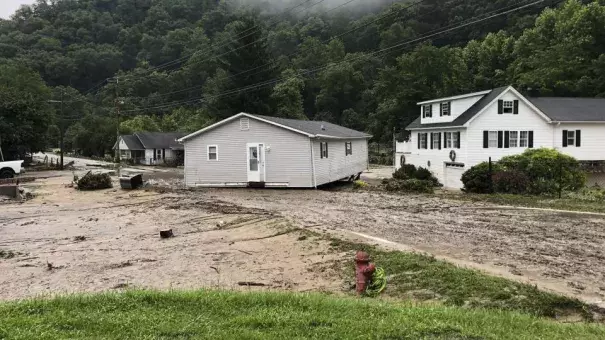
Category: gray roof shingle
[466,115]
[132,142]
[159,140]
[313,127]
[561,109]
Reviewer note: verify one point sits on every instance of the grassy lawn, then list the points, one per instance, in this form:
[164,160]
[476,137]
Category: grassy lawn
[565,203]
[423,278]
[231,315]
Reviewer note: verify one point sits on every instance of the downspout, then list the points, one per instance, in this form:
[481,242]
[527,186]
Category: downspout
[313,162]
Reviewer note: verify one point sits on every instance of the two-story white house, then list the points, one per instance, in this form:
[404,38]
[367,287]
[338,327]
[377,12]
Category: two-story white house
[455,133]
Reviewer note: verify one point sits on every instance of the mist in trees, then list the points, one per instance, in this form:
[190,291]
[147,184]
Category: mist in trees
[179,65]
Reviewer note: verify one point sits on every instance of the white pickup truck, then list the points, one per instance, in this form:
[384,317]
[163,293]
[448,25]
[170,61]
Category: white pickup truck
[10,169]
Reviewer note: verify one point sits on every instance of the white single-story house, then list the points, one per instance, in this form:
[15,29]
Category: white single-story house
[453,134]
[252,150]
[151,148]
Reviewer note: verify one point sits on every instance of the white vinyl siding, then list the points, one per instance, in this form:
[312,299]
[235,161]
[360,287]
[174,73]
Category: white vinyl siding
[592,140]
[338,165]
[287,157]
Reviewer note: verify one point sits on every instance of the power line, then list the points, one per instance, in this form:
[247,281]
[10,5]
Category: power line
[399,11]
[429,35]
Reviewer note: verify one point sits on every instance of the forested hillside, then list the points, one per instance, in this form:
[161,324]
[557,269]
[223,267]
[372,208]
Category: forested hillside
[181,64]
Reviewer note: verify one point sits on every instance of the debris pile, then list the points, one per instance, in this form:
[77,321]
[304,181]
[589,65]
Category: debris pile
[92,181]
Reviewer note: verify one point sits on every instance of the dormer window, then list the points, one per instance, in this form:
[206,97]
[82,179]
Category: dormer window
[427,111]
[508,106]
[445,109]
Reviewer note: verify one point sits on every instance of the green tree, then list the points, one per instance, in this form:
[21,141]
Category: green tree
[25,113]
[287,96]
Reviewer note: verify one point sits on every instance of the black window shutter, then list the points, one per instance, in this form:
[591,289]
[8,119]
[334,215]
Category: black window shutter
[449,108]
[485,139]
[458,140]
[431,140]
[500,139]
[500,106]
[578,142]
[423,113]
[321,149]
[441,109]
[326,149]
[439,139]
[431,110]
[418,136]
[531,139]
[564,138]
[426,138]
[506,139]
[516,108]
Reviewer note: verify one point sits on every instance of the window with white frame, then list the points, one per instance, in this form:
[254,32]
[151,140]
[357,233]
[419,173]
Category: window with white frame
[455,141]
[212,152]
[524,139]
[571,138]
[508,106]
[449,140]
[423,143]
[513,139]
[427,111]
[445,109]
[159,154]
[436,140]
[492,140]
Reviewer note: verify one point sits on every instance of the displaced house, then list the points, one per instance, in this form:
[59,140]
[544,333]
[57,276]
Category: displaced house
[453,134]
[247,150]
[151,148]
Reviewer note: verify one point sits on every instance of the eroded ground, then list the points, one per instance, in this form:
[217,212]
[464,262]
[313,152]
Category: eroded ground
[67,241]
[255,242]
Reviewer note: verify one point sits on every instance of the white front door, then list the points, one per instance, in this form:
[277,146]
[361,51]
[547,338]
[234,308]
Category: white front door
[256,162]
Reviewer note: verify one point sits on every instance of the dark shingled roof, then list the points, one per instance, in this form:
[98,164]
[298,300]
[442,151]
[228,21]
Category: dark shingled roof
[313,127]
[571,109]
[466,115]
[160,140]
[132,142]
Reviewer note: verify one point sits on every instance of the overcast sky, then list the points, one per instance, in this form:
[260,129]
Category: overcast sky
[8,7]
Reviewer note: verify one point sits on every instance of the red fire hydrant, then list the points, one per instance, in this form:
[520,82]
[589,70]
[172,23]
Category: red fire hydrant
[363,271]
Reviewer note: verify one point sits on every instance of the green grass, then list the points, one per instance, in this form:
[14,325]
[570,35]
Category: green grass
[420,277]
[565,203]
[231,315]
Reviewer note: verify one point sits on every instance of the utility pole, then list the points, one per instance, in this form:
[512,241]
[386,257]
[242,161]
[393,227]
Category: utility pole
[61,127]
[1,154]
[117,108]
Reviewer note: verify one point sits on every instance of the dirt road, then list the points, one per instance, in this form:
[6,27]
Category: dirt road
[559,251]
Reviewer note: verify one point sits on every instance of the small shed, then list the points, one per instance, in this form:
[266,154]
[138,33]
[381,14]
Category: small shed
[252,150]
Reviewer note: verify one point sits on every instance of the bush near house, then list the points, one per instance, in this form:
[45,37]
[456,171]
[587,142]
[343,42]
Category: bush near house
[536,171]
[408,178]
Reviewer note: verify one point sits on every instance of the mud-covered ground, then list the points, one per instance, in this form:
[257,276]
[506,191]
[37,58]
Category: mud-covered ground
[96,241]
[65,241]
[562,252]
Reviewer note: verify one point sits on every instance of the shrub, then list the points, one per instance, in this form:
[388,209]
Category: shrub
[405,172]
[510,182]
[92,181]
[476,179]
[548,170]
[410,185]
[359,184]
[424,174]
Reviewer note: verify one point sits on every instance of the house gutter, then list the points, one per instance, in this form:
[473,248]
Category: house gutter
[438,127]
[313,163]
